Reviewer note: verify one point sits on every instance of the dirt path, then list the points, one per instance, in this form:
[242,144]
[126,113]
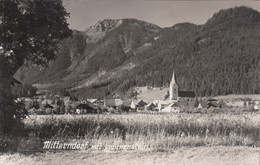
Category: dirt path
[182,156]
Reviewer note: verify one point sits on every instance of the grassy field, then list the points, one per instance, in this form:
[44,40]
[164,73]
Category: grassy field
[184,138]
[157,131]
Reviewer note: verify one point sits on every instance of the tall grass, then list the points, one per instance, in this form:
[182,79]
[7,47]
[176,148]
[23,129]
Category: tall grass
[157,131]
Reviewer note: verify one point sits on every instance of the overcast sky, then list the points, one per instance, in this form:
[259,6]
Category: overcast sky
[164,13]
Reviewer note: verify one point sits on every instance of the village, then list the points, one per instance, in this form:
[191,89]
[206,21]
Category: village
[151,100]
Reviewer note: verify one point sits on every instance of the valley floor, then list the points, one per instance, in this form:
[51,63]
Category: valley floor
[219,155]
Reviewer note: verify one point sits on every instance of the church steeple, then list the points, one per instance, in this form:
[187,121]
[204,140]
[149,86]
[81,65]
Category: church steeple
[173,79]
[173,88]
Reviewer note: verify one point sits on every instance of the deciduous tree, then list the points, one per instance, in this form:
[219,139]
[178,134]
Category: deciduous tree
[31,31]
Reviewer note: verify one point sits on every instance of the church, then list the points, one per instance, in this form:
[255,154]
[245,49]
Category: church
[175,94]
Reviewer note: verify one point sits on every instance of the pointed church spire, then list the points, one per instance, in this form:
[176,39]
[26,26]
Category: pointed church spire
[173,78]
[173,89]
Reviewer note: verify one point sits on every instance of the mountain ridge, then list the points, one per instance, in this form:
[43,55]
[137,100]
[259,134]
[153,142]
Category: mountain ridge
[211,59]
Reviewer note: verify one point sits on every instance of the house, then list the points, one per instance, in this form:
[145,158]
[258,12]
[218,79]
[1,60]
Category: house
[83,108]
[163,103]
[141,105]
[172,107]
[93,101]
[150,107]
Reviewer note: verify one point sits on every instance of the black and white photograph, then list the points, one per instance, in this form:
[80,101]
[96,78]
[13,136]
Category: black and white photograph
[129,82]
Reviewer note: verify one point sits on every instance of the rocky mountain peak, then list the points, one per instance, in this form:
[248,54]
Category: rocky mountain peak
[105,25]
[100,29]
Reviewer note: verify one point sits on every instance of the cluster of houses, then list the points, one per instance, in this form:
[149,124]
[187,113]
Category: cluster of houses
[176,101]
[93,106]
[59,105]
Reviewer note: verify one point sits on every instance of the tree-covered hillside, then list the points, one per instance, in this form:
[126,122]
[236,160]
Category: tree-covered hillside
[220,57]
[217,58]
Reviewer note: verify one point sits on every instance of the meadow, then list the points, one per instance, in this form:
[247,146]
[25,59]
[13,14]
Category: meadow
[158,131]
[183,138]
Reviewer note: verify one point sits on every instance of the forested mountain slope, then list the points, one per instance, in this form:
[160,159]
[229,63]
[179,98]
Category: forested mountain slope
[217,58]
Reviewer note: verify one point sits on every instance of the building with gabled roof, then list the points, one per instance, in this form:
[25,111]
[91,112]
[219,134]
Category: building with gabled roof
[93,101]
[141,105]
[172,107]
[150,107]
